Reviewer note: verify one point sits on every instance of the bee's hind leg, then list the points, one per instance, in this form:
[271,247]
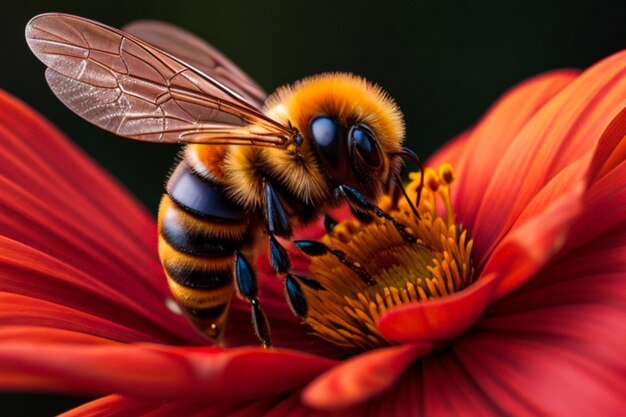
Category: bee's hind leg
[247,286]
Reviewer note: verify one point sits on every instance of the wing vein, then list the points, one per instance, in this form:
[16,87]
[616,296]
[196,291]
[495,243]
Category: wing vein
[130,87]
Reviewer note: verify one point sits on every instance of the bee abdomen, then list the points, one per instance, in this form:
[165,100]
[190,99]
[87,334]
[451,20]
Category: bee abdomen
[200,229]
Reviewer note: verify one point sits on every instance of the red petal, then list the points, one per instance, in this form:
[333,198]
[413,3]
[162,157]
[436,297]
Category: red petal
[120,406]
[362,377]
[115,406]
[37,156]
[490,138]
[83,242]
[563,131]
[606,196]
[441,319]
[22,310]
[543,376]
[56,294]
[562,334]
[611,150]
[603,210]
[590,268]
[530,246]
[448,390]
[152,371]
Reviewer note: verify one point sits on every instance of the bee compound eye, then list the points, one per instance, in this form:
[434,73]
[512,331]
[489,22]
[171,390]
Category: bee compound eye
[326,132]
[366,147]
[328,139]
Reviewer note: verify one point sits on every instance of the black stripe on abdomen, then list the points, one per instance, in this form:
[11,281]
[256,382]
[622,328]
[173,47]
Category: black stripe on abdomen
[200,279]
[201,197]
[198,242]
[208,313]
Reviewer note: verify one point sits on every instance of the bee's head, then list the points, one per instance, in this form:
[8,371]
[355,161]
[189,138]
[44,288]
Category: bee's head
[348,154]
[350,126]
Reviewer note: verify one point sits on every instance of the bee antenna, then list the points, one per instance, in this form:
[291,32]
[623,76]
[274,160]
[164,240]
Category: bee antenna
[409,154]
[398,182]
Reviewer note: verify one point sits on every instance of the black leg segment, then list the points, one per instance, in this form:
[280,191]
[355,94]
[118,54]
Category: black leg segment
[295,297]
[315,248]
[278,256]
[275,214]
[356,200]
[245,277]
[248,288]
[329,223]
[277,224]
[260,323]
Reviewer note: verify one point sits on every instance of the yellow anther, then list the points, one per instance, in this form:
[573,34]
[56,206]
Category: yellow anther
[431,179]
[436,265]
[446,173]
[415,176]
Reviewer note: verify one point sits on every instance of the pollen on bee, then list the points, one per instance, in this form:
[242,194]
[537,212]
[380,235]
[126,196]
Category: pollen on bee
[213,330]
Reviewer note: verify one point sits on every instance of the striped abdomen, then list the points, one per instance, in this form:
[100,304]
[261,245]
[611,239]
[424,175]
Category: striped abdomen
[199,231]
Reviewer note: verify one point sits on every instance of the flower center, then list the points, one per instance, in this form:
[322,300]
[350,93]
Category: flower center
[436,265]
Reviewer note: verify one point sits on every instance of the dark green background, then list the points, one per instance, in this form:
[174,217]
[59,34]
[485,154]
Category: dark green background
[445,63]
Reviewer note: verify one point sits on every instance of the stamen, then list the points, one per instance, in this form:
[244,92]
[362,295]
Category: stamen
[368,268]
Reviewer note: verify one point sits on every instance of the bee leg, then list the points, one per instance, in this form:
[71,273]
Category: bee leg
[362,216]
[277,224]
[329,223]
[275,214]
[295,295]
[248,288]
[360,203]
[315,248]
[278,256]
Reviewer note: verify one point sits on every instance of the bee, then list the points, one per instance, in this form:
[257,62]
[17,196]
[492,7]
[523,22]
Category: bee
[253,167]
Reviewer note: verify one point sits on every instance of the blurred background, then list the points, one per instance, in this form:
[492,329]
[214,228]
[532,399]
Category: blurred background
[443,63]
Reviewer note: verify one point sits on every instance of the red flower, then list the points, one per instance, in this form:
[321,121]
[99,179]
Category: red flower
[541,330]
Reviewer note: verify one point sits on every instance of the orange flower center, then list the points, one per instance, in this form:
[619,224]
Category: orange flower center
[437,264]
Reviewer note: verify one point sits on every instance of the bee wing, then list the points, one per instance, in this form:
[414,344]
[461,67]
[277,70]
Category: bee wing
[199,54]
[133,89]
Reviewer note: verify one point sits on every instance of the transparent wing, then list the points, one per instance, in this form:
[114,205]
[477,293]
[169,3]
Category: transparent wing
[131,88]
[196,52]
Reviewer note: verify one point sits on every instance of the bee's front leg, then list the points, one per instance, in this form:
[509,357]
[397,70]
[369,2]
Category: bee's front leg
[277,224]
